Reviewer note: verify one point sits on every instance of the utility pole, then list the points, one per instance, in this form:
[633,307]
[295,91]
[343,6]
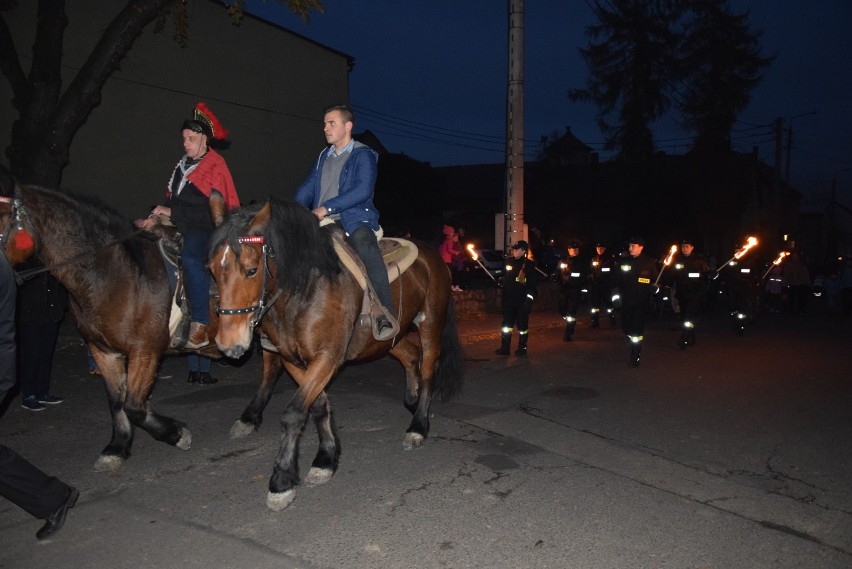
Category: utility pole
[790,140]
[514,216]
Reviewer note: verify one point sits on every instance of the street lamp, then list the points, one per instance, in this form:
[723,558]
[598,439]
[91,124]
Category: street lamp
[790,140]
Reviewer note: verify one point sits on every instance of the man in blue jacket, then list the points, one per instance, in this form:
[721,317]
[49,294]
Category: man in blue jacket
[340,186]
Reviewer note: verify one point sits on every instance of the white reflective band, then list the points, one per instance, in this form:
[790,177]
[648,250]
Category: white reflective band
[625,268]
[569,319]
[678,266]
[688,324]
[616,296]
[508,267]
[529,296]
[506,330]
[694,275]
[575,274]
[523,332]
[595,310]
[635,339]
[605,270]
[745,270]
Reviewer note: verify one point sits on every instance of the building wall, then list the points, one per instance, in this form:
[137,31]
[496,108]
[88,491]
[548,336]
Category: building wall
[268,87]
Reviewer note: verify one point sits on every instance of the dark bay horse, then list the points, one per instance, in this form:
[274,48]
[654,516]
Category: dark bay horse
[119,299]
[274,264]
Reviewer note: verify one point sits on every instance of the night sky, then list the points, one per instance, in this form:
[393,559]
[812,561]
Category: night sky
[430,79]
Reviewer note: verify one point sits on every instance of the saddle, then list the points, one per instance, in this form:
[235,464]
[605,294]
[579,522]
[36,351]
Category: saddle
[170,243]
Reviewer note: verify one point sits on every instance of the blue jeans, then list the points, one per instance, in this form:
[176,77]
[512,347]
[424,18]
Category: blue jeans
[196,276]
[363,240]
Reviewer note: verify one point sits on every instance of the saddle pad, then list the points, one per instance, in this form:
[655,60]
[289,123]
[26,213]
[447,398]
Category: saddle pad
[398,254]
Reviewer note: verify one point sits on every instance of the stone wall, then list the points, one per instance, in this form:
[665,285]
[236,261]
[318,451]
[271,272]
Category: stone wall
[481,303]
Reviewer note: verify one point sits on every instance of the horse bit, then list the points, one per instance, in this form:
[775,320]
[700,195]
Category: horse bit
[265,303]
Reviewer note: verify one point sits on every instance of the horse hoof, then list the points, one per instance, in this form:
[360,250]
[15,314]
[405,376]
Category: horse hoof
[280,500]
[241,429]
[185,441]
[317,476]
[412,440]
[108,462]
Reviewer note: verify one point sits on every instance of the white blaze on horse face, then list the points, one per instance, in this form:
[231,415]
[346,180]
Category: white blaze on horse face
[225,252]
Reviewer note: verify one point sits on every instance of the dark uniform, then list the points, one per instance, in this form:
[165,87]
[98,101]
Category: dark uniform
[742,282]
[573,278]
[691,274]
[636,276]
[600,284]
[519,291]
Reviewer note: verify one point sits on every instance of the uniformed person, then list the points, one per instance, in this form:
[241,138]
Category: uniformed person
[691,274]
[637,274]
[742,283]
[519,291]
[573,278]
[600,284]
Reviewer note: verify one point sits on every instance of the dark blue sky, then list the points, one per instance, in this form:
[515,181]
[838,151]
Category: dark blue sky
[430,78]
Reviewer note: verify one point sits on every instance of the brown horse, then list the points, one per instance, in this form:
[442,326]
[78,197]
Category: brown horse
[119,299]
[275,266]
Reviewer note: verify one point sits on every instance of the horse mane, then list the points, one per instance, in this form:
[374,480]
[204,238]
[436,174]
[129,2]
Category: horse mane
[93,222]
[303,252]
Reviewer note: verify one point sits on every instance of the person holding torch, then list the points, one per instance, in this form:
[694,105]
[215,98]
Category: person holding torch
[519,291]
[636,277]
[691,276]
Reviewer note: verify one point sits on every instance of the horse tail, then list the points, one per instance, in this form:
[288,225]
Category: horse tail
[449,372]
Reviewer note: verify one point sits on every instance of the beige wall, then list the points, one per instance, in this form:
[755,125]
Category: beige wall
[267,86]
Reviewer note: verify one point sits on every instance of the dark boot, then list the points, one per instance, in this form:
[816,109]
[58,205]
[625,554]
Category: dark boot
[683,342]
[690,340]
[569,331]
[635,352]
[505,342]
[193,377]
[522,345]
[206,379]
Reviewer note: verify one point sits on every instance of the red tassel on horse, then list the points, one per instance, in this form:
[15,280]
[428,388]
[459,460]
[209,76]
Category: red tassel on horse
[23,241]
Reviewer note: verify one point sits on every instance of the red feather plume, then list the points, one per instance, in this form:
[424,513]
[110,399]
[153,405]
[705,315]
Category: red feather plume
[203,113]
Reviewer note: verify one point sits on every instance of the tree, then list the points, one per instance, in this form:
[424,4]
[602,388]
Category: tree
[721,64]
[630,56]
[48,117]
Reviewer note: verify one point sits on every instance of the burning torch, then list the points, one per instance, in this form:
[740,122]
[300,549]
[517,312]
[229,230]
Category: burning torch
[666,263]
[751,242]
[475,257]
[775,263]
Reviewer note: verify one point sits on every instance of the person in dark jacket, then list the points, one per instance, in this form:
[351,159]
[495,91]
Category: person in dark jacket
[519,291]
[637,274]
[573,277]
[600,280]
[42,303]
[42,496]
[691,274]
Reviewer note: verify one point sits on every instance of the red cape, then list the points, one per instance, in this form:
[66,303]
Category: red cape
[212,173]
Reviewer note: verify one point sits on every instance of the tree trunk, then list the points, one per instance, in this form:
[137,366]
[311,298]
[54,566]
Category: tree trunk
[47,120]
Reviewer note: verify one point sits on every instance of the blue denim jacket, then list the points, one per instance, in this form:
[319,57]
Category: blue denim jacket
[354,201]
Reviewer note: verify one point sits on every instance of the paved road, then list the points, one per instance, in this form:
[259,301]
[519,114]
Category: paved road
[733,454]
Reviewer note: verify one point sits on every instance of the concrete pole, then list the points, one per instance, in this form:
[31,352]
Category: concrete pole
[515,128]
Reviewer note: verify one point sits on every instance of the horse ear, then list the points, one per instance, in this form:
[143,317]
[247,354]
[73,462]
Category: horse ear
[260,221]
[217,207]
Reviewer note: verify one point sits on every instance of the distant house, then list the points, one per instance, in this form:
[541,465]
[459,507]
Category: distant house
[567,150]
[268,86]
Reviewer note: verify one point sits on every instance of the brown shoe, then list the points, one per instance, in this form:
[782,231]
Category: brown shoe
[197,336]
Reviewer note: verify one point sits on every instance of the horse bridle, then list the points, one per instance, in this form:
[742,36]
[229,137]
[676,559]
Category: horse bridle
[265,302]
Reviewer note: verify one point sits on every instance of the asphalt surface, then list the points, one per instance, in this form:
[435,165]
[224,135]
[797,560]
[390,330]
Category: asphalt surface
[734,453]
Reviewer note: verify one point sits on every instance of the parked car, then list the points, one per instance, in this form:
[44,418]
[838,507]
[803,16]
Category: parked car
[493,261]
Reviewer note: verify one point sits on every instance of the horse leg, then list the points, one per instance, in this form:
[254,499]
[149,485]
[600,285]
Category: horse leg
[328,455]
[416,394]
[141,374]
[252,416]
[114,373]
[285,470]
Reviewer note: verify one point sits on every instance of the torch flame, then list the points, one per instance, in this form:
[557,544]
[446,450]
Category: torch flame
[780,258]
[752,241]
[472,251]
[672,251]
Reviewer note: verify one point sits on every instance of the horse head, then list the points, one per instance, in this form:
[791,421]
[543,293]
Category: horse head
[17,234]
[239,261]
